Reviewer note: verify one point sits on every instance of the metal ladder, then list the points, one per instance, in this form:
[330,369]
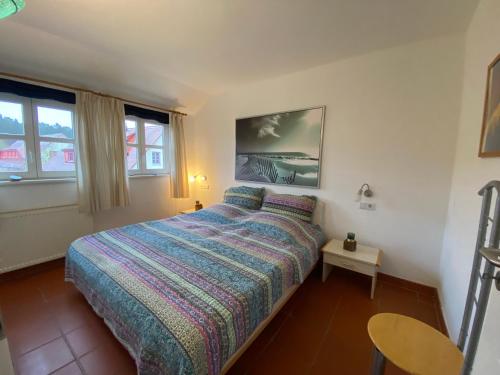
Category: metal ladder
[491,256]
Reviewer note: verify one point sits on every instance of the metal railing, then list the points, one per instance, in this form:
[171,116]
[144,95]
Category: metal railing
[490,256]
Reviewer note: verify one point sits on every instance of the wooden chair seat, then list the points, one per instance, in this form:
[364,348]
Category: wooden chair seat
[413,346]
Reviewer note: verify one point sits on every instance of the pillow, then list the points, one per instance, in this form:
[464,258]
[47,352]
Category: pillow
[244,196]
[296,206]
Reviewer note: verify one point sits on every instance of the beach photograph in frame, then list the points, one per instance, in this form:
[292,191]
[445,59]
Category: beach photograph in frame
[280,148]
[490,132]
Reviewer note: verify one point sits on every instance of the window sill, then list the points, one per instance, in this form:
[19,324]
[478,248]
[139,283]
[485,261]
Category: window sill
[66,180]
[133,176]
[38,181]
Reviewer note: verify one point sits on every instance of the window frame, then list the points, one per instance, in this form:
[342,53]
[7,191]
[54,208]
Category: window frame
[32,138]
[142,147]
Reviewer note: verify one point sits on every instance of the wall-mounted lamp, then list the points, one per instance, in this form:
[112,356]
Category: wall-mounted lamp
[365,190]
[198,177]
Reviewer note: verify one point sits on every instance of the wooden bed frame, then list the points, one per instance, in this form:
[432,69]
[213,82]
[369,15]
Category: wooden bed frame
[262,325]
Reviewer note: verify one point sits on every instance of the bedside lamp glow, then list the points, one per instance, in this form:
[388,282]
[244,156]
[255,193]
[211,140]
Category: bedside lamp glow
[197,177]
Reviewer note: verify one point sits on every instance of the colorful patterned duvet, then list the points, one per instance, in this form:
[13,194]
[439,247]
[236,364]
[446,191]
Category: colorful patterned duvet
[184,293]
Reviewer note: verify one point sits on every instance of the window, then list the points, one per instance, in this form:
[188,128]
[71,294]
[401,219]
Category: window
[37,138]
[155,156]
[146,146]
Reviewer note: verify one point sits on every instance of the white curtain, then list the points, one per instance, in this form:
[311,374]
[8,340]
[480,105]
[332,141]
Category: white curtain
[179,186]
[101,167]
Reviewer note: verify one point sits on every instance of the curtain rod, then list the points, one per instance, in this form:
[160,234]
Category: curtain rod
[73,88]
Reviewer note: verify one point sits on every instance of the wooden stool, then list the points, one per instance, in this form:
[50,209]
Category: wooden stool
[412,345]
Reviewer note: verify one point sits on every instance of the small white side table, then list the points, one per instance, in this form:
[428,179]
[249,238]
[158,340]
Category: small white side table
[365,260]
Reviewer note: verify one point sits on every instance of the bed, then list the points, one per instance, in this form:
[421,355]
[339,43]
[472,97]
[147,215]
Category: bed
[187,294]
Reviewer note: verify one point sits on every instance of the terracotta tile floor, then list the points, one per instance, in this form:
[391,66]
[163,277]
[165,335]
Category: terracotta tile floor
[322,330]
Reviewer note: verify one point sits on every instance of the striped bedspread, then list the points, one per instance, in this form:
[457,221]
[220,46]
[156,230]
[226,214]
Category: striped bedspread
[183,294]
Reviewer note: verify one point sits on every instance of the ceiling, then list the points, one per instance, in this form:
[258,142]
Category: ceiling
[178,52]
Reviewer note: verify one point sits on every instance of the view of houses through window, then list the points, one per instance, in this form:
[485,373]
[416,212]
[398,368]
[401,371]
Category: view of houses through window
[12,149]
[36,138]
[55,128]
[146,146]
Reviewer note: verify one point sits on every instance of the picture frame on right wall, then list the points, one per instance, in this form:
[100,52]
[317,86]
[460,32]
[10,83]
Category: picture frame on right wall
[490,132]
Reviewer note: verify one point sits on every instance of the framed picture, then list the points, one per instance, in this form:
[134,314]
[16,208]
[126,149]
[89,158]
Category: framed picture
[490,132]
[280,148]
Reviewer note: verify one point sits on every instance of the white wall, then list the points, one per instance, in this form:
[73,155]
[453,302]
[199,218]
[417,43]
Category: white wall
[391,121]
[149,201]
[482,44]
[36,236]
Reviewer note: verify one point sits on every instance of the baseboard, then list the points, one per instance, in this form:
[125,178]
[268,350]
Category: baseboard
[442,311]
[420,288]
[31,263]
[31,268]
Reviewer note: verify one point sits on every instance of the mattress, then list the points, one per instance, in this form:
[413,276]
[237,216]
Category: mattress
[183,294]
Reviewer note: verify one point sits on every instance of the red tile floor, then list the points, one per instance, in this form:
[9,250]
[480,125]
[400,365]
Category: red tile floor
[322,330]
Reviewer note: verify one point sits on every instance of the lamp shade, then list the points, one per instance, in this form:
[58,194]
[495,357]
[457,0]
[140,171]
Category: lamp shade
[9,7]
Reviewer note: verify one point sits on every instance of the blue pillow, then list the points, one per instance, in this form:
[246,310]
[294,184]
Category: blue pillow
[244,196]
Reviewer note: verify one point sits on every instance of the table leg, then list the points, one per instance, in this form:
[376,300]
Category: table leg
[378,364]
[374,284]
[327,268]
